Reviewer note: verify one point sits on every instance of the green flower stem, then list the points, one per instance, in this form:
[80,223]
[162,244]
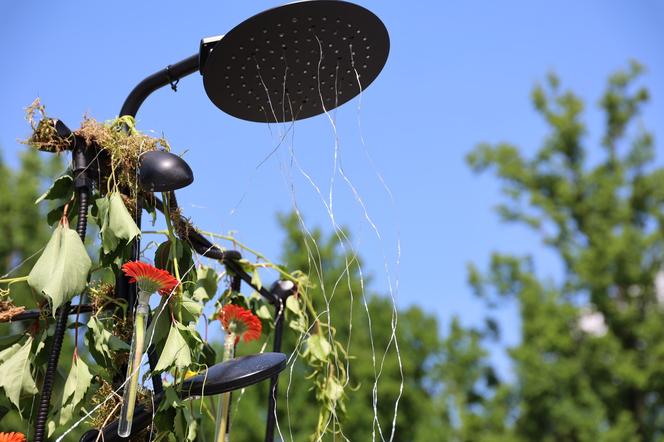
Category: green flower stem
[155,232]
[13,280]
[223,408]
[171,237]
[257,254]
[134,365]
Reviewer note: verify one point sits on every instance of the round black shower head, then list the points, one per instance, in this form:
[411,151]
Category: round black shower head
[295,61]
[163,172]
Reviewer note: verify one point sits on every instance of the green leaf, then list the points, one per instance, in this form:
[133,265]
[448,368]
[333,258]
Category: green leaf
[171,399]
[62,269]
[56,214]
[76,385]
[207,281]
[189,333]
[256,279]
[164,419]
[116,223]
[9,352]
[191,309]
[293,304]
[333,389]
[299,325]
[159,325]
[101,342]
[183,253]
[15,376]
[162,256]
[263,312]
[207,355]
[62,188]
[186,425]
[318,347]
[77,382]
[175,353]
[6,341]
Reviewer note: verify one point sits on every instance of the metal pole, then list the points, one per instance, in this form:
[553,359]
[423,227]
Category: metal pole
[280,290]
[274,380]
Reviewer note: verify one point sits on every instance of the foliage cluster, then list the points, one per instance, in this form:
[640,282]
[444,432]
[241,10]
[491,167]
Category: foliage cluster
[93,372]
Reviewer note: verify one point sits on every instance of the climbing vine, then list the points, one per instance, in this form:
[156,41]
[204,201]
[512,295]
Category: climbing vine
[89,385]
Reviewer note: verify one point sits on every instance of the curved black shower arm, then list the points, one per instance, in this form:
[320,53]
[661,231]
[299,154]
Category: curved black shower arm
[169,75]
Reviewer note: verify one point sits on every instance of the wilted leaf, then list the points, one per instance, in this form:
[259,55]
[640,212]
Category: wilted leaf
[318,346]
[76,385]
[62,269]
[299,325]
[115,221]
[15,376]
[333,389]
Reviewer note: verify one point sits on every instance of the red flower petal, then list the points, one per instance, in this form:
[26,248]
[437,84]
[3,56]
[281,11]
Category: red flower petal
[12,437]
[242,322]
[149,278]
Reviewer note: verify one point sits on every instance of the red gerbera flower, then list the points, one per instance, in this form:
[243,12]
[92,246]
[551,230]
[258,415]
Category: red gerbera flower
[12,437]
[240,321]
[149,278]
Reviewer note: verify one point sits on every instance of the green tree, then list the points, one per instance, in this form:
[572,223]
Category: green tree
[590,366]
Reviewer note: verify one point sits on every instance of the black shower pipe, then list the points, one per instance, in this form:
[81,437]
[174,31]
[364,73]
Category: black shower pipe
[81,184]
[170,76]
[37,313]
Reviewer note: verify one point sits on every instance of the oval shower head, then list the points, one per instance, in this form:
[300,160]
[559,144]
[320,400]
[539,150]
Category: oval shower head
[235,374]
[162,171]
[295,61]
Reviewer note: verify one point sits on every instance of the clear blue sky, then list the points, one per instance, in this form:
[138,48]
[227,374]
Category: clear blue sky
[458,73]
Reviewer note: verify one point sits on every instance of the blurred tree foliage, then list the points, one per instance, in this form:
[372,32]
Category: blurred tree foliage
[590,366]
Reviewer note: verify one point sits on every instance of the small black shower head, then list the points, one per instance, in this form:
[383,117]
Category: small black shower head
[161,171]
[295,61]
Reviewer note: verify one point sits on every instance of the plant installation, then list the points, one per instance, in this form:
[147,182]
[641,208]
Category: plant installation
[116,174]
[103,364]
